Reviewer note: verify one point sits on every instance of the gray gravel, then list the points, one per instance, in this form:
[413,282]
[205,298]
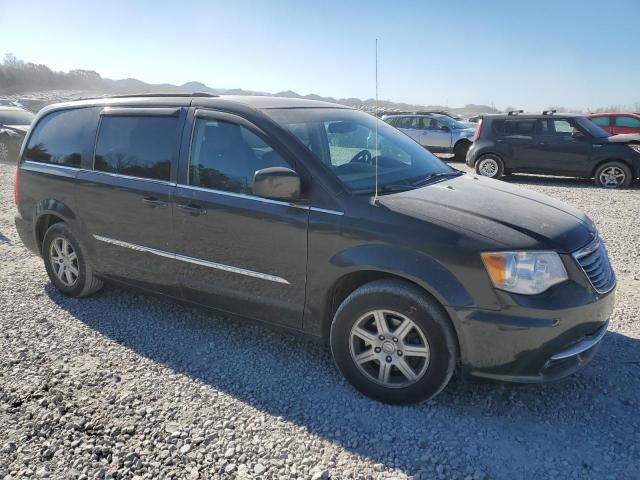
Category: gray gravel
[125,385]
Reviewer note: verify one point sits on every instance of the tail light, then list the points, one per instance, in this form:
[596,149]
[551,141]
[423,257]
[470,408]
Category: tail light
[477,135]
[16,189]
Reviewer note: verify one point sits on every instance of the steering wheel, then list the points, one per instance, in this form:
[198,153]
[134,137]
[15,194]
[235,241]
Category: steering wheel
[363,156]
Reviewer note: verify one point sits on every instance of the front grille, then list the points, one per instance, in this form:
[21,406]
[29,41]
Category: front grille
[594,261]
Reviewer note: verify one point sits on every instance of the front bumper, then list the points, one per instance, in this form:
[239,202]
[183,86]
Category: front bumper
[544,340]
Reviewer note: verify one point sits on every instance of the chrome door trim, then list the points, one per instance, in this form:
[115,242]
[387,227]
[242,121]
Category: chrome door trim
[31,163]
[130,177]
[260,199]
[244,195]
[195,261]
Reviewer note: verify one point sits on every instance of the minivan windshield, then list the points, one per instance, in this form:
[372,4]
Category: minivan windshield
[346,142]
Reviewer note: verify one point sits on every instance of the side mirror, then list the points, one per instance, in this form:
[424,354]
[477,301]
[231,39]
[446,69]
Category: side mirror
[278,183]
[444,128]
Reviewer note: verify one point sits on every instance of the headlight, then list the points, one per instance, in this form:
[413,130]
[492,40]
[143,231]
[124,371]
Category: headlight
[634,146]
[528,273]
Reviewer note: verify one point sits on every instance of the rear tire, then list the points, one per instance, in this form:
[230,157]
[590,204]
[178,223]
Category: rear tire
[460,150]
[613,175]
[66,263]
[393,342]
[490,166]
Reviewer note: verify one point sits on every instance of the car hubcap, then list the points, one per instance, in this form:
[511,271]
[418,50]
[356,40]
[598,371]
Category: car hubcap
[64,261]
[4,152]
[488,168]
[389,348]
[612,177]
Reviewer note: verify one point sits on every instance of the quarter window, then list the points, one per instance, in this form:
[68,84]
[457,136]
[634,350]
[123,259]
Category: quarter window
[60,137]
[225,156]
[519,128]
[137,146]
[627,122]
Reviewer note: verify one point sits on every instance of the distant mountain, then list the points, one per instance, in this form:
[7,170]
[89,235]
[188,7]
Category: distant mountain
[18,78]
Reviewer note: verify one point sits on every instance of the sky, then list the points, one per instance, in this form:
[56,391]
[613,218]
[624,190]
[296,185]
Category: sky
[580,54]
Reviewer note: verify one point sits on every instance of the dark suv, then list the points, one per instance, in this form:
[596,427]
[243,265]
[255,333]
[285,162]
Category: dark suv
[281,210]
[567,145]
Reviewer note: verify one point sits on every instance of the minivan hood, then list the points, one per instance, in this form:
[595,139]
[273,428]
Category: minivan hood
[511,216]
[624,138]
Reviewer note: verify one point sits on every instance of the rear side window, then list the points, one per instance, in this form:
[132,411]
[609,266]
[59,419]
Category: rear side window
[519,128]
[137,146]
[628,122]
[225,156]
[60,137]
[601,121]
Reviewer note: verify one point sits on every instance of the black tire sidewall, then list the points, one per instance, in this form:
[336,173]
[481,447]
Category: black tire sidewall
[498,161]
[622,166]
[426,313]
[61,230]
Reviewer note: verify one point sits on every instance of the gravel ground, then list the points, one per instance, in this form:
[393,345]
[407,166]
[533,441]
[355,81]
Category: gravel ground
[125,385]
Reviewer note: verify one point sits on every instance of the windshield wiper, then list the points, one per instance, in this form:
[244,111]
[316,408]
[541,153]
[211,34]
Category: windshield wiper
[390,188]
[435,176]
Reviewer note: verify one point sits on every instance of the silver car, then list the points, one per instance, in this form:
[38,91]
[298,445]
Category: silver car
[438,133]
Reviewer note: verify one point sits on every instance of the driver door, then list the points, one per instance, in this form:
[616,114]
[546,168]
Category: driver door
[436,135]
[240,253]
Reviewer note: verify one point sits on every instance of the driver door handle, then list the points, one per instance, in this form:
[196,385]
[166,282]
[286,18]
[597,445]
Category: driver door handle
[154,202]
[192,209]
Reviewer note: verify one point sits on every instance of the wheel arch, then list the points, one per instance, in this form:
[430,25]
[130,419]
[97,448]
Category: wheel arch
[47,213]
[612,160]
[350,282]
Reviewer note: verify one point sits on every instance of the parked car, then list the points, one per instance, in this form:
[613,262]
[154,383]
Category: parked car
[436,132]
[14,123]
[617,123]
[568,145]
[275,209]
[453,116]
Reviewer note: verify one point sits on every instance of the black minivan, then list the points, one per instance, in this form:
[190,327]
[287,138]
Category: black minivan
[549,144]
[285,211]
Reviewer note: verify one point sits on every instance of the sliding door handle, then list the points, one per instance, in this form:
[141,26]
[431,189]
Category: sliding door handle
[154,202]
[192,209]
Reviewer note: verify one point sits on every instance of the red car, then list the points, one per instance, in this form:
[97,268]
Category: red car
[616,123]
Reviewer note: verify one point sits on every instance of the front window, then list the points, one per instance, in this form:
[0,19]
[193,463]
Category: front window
[627,122]
[591,127]
[346,142]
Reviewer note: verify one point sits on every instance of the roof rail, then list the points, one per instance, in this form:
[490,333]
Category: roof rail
[548,112]
[514,112]
[177,94]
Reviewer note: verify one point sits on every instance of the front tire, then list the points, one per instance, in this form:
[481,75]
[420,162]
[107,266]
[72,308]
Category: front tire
[393,342]
[490,166]
[66,263]
[613,175]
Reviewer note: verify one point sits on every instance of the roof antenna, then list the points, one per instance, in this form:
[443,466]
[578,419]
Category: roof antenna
[375,198]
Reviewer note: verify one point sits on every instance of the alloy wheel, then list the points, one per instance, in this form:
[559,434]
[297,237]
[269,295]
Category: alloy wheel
[389,348]
[488,168]
[64,261]
[612,177]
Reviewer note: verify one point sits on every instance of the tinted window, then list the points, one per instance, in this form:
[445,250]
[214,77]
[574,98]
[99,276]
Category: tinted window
[137,146]
[602,121]
[16,117]
[516,128]
[225,156]
[61,137]
[629,122]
